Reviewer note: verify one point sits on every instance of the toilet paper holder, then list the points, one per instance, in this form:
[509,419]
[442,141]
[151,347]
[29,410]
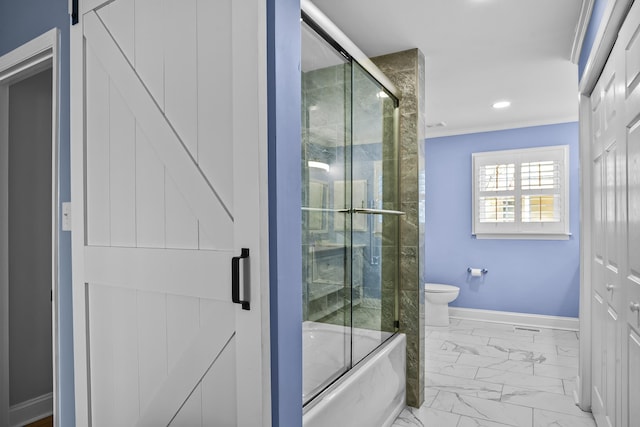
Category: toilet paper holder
[483,271]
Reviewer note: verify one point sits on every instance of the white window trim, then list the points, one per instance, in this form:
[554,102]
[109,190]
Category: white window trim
[515,230]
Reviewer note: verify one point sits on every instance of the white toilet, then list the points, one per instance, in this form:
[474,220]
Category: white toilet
[436,300]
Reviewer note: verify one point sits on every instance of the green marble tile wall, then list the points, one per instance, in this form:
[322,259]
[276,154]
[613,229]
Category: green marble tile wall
[406,70]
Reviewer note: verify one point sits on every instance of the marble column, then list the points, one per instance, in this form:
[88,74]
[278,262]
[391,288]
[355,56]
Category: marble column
[406,70]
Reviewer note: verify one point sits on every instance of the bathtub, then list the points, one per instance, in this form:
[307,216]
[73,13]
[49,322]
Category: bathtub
[370,394]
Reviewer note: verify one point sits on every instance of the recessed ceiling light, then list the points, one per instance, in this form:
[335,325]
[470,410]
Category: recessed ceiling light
[501,104]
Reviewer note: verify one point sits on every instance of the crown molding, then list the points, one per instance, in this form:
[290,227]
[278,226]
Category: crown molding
[500,126]
[581,29]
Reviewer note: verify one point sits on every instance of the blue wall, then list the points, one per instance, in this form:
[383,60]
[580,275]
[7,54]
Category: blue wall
[21,21]
[525,276]
[285,218]
[592,29]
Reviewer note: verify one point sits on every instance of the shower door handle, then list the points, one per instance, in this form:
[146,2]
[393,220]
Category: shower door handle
[235,279]
[308,209]
[376,211]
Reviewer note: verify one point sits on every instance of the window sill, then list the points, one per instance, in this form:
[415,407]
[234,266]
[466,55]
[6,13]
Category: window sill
[523,236]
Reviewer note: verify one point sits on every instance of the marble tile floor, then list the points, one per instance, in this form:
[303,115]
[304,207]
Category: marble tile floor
[482,374]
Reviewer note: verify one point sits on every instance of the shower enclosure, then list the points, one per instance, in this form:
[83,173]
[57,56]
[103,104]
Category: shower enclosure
[350,227]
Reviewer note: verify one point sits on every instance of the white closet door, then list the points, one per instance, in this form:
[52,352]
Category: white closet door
[616,233]
[605,298]
[168,166]
[628,51]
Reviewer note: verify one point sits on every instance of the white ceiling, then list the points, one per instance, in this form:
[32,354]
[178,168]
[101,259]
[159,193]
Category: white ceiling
[477,52]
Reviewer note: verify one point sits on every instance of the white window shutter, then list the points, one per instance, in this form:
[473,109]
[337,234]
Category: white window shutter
[521,193]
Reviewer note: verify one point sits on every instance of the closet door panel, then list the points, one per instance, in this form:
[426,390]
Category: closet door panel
[629,56]
[615,111]
[606,299]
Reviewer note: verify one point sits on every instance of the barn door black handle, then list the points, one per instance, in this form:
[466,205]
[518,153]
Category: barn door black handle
[235,279]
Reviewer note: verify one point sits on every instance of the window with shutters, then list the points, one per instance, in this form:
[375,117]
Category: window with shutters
[521,194]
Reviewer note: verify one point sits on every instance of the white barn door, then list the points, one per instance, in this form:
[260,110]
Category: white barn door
[169,184]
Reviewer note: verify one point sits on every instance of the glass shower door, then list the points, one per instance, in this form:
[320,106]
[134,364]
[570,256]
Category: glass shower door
[350,212]
[376,211]
[326,203]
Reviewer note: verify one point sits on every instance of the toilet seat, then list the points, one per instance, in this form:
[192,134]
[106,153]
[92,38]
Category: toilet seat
[437,287]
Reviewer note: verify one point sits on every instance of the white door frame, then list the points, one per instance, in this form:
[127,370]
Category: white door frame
[32,57]
[612,20]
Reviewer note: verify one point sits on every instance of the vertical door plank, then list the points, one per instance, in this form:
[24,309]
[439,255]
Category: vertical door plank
[152,346]
[118,17]
[181,223]
[183,324]
[150,220]
[114,356]
[219,384]
[122,171]
[219,390]
[149,46]
[215,148]
[181,79]
[190,415]
[98,218]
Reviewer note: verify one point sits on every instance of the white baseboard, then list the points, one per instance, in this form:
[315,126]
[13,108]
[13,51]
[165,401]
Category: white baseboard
[522,319]
[31,410]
